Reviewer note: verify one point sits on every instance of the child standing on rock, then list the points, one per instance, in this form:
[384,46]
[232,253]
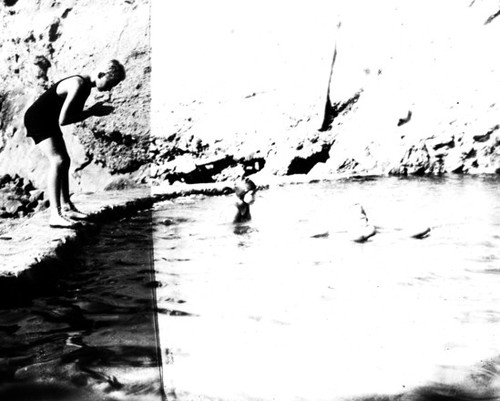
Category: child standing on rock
[63,104]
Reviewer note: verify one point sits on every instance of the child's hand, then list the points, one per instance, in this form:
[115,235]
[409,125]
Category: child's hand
[100,109]
[249,198]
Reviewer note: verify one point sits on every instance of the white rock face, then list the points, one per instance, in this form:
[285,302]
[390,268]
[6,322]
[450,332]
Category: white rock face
[365,87]
[426,82]
[45,41]
[407,75]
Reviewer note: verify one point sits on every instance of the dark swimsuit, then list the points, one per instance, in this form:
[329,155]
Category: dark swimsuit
[42,118]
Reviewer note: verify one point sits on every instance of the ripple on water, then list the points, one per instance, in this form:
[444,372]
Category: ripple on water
[413,313]
[94,329]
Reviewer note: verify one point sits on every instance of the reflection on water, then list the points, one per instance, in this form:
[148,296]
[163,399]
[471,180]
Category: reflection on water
[91,330]
[276,309]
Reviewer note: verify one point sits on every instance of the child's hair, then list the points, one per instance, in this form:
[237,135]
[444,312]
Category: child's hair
[244,186]
[113,69]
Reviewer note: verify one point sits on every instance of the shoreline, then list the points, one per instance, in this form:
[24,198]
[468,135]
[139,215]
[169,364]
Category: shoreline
[22,252]
[31,243]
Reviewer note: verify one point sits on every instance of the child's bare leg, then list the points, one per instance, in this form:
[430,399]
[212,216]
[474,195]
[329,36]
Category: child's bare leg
[67,205]
[65,177]
[55,150]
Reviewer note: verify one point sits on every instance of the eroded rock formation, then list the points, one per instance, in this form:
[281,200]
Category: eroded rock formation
[364,88]
[44,41]
[368,88]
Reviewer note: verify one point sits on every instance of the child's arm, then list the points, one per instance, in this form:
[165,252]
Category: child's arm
[72,109]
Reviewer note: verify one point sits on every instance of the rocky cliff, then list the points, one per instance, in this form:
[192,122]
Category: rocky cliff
[417,93]
[361,87]
[43,41]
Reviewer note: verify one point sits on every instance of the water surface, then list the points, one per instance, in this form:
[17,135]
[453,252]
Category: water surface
[266,311]
[90,327]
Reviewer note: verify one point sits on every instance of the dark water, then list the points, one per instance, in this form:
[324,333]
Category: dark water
[93,327]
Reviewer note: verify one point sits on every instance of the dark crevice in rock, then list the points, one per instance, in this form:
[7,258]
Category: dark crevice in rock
[492,17]
[485,137]
[481,138]
[29,38]
[203,172]
[54,33]
[449,144]
[5,111]
[300,165]
[88,159]
[66,13]
[3,99]
[9,3]
[43,64]
[116,137]
[200,174]
[419,171]
[327,120]
[405,120]
[253,165]
[458,170]
[332,111]
[470,154]
[348,164]
[50,49]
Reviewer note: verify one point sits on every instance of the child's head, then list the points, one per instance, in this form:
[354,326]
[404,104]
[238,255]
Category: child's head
[245,190]
[108,75]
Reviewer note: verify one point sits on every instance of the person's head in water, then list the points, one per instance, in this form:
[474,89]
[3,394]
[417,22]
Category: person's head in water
[245,192]
[108,74]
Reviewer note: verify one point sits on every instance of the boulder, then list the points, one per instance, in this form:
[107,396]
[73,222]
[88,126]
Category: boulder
[13,206]
[36,195]
[5,179]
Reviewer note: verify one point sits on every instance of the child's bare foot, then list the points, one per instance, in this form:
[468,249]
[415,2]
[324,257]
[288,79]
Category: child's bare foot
[72,212]
[58,221]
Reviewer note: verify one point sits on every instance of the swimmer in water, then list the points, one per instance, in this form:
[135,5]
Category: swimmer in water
[62,104]
[245,192]
[361,230]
